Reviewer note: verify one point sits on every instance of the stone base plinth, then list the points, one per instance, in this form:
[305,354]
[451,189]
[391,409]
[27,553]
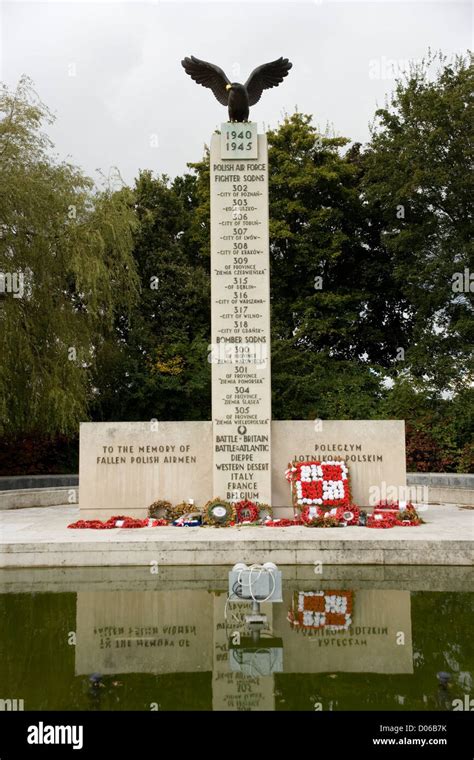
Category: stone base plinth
[125,466]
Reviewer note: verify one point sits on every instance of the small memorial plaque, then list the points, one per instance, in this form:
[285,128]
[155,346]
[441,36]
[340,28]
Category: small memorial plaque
[239,140]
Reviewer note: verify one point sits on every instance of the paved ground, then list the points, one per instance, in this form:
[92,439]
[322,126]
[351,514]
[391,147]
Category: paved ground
[40,538]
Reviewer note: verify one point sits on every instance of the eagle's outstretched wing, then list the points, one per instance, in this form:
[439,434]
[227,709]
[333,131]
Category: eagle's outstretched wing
[266,76]
[208,75]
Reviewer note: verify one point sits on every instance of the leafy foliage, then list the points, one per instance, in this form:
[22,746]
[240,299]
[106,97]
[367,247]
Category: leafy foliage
[157,367]
[418,186]
[70,250]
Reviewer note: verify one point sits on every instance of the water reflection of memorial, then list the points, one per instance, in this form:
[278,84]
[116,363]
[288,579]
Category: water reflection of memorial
[39,618]
[184,631]
[374,638]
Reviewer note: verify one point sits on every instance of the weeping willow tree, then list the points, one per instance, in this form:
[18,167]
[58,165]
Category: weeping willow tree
[66,272]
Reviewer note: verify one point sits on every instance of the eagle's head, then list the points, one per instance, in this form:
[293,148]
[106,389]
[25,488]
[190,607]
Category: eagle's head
[234,86]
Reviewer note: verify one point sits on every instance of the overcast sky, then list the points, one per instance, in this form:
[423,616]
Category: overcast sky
[111,71]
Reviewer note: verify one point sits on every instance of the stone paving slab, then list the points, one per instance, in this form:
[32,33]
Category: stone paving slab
[40,538]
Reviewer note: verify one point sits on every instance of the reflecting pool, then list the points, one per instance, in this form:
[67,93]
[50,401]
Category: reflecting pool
[167,638]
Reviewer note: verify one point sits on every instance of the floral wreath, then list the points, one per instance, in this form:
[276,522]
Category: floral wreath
[183,508]
[251,511]
[227,517]
[283,522]
[337,517]
[388,514]
[409,518]
[160,506]
[118,521]
[320,484]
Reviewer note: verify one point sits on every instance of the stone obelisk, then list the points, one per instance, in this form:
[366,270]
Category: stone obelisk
[240,307]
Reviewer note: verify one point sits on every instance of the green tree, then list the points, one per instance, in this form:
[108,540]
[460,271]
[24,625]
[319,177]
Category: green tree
[157,365]
[327,353]
[66,271]
[417,184]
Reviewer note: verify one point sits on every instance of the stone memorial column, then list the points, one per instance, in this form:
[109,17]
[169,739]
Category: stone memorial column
[240,321]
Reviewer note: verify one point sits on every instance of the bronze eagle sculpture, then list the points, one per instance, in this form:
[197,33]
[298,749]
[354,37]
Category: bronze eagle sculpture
[237,97]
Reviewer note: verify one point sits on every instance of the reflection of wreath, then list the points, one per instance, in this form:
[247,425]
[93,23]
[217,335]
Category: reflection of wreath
[183,508]
[219,512]
[328,610]
[251,511]
[159,506]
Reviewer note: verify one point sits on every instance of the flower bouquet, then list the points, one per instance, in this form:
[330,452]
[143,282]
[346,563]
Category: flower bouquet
[319,484]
